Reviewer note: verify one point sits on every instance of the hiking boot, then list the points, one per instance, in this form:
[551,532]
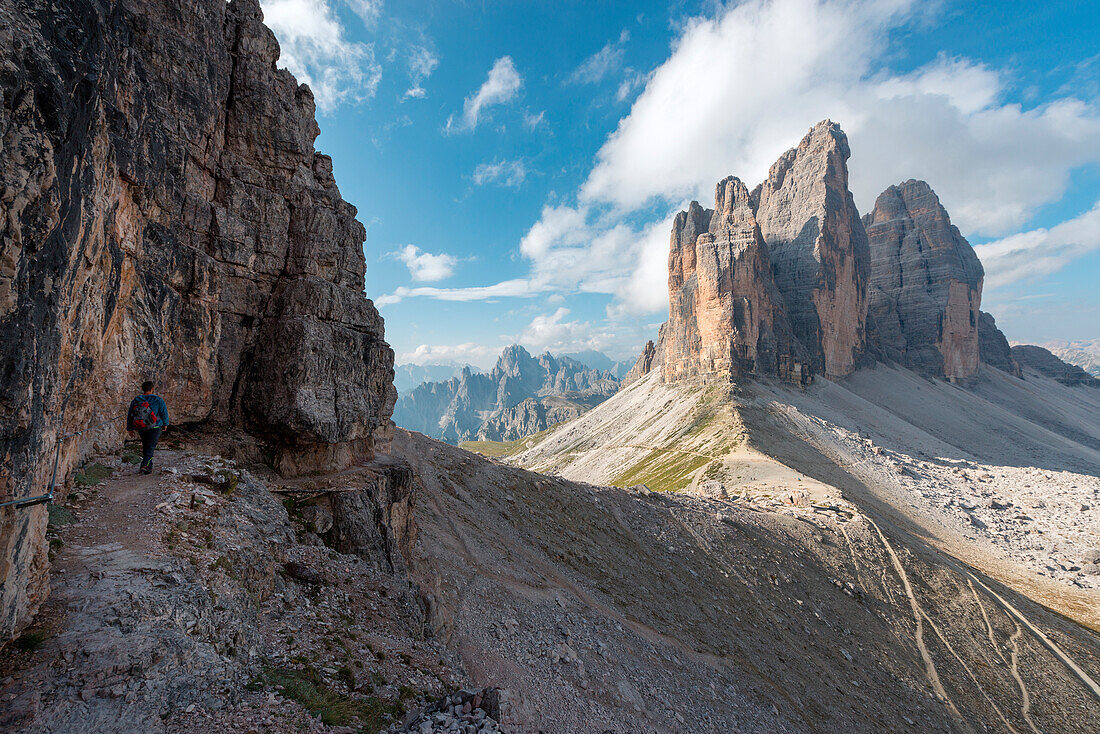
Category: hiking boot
[147,469]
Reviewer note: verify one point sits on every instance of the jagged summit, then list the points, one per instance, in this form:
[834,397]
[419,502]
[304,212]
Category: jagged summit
[790,281]
[926,283]
[818,247]
[521,395]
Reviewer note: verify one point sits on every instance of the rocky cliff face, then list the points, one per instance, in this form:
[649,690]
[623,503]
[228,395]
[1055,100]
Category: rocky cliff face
[494,406]
[726,315]
[166,218]
[993,347]
[819,250]
[926,284]
[1041,360]
[643,365]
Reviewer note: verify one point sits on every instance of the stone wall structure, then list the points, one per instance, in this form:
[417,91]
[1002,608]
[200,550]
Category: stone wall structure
[164,215]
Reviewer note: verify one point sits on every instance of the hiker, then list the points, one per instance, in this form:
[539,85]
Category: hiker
[148,415]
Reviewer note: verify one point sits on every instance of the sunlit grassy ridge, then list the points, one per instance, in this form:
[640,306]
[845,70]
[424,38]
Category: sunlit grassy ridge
[500,449]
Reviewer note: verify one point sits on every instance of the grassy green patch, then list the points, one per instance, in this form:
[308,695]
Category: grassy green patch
[227,481]
[31,640]
[59,516]
[500,449]
[662,470]
[92,475]
[306,686]
[130,456]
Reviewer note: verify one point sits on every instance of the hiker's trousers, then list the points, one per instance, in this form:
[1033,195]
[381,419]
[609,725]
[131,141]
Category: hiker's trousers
[149,438]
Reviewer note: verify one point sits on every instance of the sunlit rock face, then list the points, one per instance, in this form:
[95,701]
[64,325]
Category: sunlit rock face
[726,316]
[164,214]
[819,251]
[926,284]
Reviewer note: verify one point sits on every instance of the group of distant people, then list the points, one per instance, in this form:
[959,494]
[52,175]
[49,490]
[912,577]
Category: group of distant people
[147,416]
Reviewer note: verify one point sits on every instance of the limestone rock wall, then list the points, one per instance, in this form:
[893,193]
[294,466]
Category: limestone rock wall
[926,284]
[726,315]
[163,213]
[643,365]
[819,251]
[993,348]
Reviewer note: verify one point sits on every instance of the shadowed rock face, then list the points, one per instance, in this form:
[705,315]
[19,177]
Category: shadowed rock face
[726,315]
[926,284]
[643,365]
[1045,363]
[993,347]
[818,248]
[165,215]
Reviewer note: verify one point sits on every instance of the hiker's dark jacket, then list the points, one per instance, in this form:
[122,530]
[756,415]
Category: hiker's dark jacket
[160,410]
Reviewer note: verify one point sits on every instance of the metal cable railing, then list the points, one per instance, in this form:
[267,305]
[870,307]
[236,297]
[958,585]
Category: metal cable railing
[48,497]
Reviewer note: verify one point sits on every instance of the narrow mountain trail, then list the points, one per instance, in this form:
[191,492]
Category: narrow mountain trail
[919,617]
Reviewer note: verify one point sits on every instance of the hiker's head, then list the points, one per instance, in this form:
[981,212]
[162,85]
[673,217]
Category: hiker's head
[147,386]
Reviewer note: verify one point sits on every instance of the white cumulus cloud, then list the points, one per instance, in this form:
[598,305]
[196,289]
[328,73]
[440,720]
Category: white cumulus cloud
[315,48]
[425,266]
[479,355]
[502,86]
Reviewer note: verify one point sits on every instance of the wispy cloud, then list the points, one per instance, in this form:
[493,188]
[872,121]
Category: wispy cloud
[369,11]
[424,266]
[601,64]
[1040,252]
[502,173]
[519,287]
[422,62]
[502,86]
[316,49]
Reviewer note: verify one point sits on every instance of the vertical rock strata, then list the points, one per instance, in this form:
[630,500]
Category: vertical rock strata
[926,284]
[726,315]
[819,251]
[993,348]
[163,213]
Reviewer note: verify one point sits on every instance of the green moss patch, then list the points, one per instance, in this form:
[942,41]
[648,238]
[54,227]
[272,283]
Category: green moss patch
[59,516]
[92,475]
[662,470]
[500,449]
[306,686]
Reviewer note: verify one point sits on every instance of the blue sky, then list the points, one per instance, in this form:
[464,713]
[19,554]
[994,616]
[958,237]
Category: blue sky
[516,164]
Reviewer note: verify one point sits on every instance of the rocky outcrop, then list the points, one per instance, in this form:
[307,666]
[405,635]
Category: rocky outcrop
[165,218]
[926,284]
[818,248]
[1041,360]
[726,316]
[643,365]
[527,418]
[485,406]
[993,347]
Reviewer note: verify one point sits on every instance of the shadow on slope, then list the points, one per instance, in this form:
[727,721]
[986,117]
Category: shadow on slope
[605,609]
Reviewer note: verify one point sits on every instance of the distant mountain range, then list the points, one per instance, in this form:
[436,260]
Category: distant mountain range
[521,395]
[1085,353]
[408,376]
